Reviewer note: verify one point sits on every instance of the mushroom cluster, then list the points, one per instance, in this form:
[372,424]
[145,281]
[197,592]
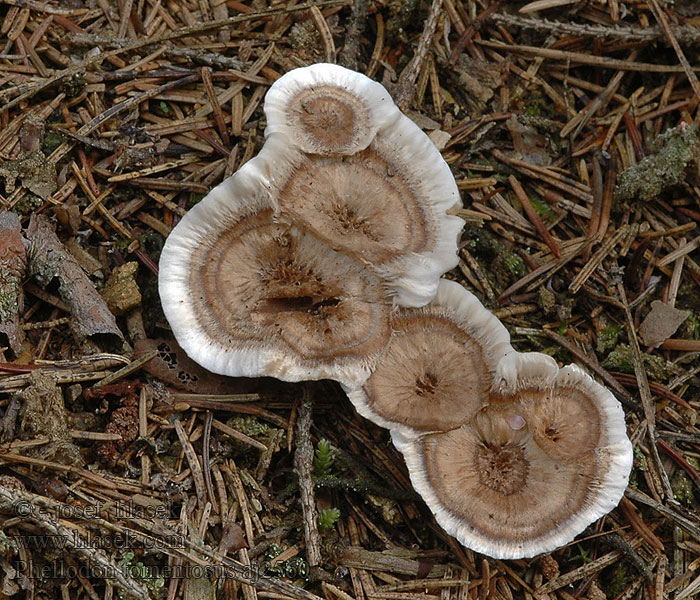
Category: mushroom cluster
[290,267]
[514,455]
[322,258]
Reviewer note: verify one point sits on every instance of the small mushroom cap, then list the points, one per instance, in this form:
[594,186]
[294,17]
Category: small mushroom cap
[517,368]
[249,297]
[436,371]
[361,176]
[510,483]
[327,109]
[572,415]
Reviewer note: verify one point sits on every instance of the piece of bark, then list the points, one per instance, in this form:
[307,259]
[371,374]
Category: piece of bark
[44,415]
[13,264]
[661,323]
[173,367]
[31,135]
[303,465]
[50,261]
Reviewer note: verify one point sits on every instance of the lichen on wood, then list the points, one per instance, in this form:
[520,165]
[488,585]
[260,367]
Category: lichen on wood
[677,162]
[44,415]
[121,292]
[35,172]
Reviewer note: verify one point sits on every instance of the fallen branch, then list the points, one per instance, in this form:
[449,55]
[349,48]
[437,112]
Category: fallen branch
[49,260]
[303,464]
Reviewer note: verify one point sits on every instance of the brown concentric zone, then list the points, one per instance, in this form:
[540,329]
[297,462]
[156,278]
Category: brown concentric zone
[362,205]
[261,283]
[564,421]
[502,486]
[330,119]
[432,375]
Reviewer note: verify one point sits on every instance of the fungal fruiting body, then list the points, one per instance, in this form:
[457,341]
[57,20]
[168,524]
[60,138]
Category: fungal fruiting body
[512,454]
[321,258]
[436,371]
[290,267]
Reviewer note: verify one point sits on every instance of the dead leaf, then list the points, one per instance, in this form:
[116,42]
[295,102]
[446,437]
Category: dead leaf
[232,538]
[172,366]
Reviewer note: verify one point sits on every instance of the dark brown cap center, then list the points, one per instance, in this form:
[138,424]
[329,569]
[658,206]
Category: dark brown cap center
[502,468]
[426,384]
[328,121]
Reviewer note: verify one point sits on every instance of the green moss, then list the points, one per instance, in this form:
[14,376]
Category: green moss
[250,426]
[620,579]
[52,140]
[28,204]
[323,459]
[682,488]
[501,266]
[607,338]
[542,208]
[538,105]
[148,575]
[675,163]
[327,518]
[620,359]
[293,568]
[514,264]
[690,328]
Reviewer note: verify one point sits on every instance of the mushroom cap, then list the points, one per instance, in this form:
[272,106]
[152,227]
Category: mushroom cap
[436,371]
[520,479]
[412,156]
[327,109]
[386,206]
[249,297]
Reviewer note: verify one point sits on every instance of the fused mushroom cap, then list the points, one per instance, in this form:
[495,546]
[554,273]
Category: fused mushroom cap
[436,371]
[327,109]
[417,160]
[386,206]
[503,486]
[246,296]
[574,415]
